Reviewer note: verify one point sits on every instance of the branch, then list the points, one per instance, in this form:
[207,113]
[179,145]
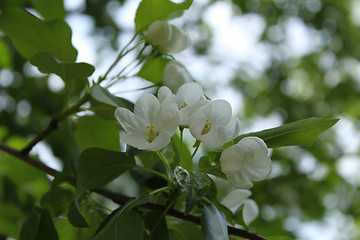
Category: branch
[53,124]
[121,199]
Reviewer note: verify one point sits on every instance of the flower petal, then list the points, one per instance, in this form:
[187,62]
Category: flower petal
[240,180]
[175,75]
[135,141]
[221,112]
[235,199]
[250,212]
[189,93]
[159,32]
[164,94]
[159,142]
[127,121]
[259,167]
[146,109]
[196,124]
[178,41]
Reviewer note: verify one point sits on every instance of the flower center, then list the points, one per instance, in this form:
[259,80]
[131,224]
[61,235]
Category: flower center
[150,131]
[184,105]
[206,128]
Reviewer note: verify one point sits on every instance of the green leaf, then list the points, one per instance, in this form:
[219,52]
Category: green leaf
[213,223]
[38,226]
[103,103]
[153,70]
[92,131]
[185,231]
[156,225]
[75,75]
[123,223]
[152,10]
[30,35]
[5,54]
[127,226]
[301,133]
[57,200]
[50,10]
[97,167]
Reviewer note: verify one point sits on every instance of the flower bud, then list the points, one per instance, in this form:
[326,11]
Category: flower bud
[175,75]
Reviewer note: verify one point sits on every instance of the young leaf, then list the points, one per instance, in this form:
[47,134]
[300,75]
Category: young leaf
[156,225]
[153,70]
[75,75]
[97,167]
[92,131]
[123,223]
[213,223]
[302,133]
[38,226]
[31,35]
[150,11]
[103,103]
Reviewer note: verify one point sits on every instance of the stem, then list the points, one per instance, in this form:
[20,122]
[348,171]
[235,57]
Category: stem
[138,56]
[121,54]
[166,164]
[151,171]
[196,149]
[181,143]
[159,190]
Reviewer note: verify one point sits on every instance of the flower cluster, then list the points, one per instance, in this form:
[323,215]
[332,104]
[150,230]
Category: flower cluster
[182,103]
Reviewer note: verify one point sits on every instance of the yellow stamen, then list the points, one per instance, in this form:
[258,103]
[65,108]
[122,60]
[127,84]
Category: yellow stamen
[150,130]
[184,105]
[206,128]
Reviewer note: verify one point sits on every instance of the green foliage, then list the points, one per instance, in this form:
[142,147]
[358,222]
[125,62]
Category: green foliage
[53,37]
[213,223]
[74,74]
[149,11]
[302,133]
[50,10]
[105,135]
[153,70]
[38,226]
[123,223]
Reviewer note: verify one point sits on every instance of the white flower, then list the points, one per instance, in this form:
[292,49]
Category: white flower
[189,98]
[151,126]
[175,75]
[167,37]
[234,199]
[213,124]
[245,162]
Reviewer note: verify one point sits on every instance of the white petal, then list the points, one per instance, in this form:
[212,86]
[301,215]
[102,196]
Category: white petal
[250,212]
[221,112]
[232,129]
[164,94]
[159,142]
[146,109]
[240,180]
[178,41]
[127,121]
[259,167]
[175,75]
[189,93]
[196,124]
[235,199]
[135,141]
[232,159]
[159,32]
[215,138]
[168,120]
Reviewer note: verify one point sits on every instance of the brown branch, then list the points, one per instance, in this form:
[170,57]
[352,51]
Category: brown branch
[53,124]
[121,199]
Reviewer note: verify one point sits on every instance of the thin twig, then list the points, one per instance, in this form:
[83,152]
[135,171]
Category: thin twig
[121,199]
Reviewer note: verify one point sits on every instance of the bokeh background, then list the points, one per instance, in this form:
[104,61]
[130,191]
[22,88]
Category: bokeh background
[275,61]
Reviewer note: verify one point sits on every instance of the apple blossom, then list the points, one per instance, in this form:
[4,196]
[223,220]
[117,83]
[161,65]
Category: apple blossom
[213,124]
[175,75]
[167,37]
[188,98]
[151,126]
[245,162]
